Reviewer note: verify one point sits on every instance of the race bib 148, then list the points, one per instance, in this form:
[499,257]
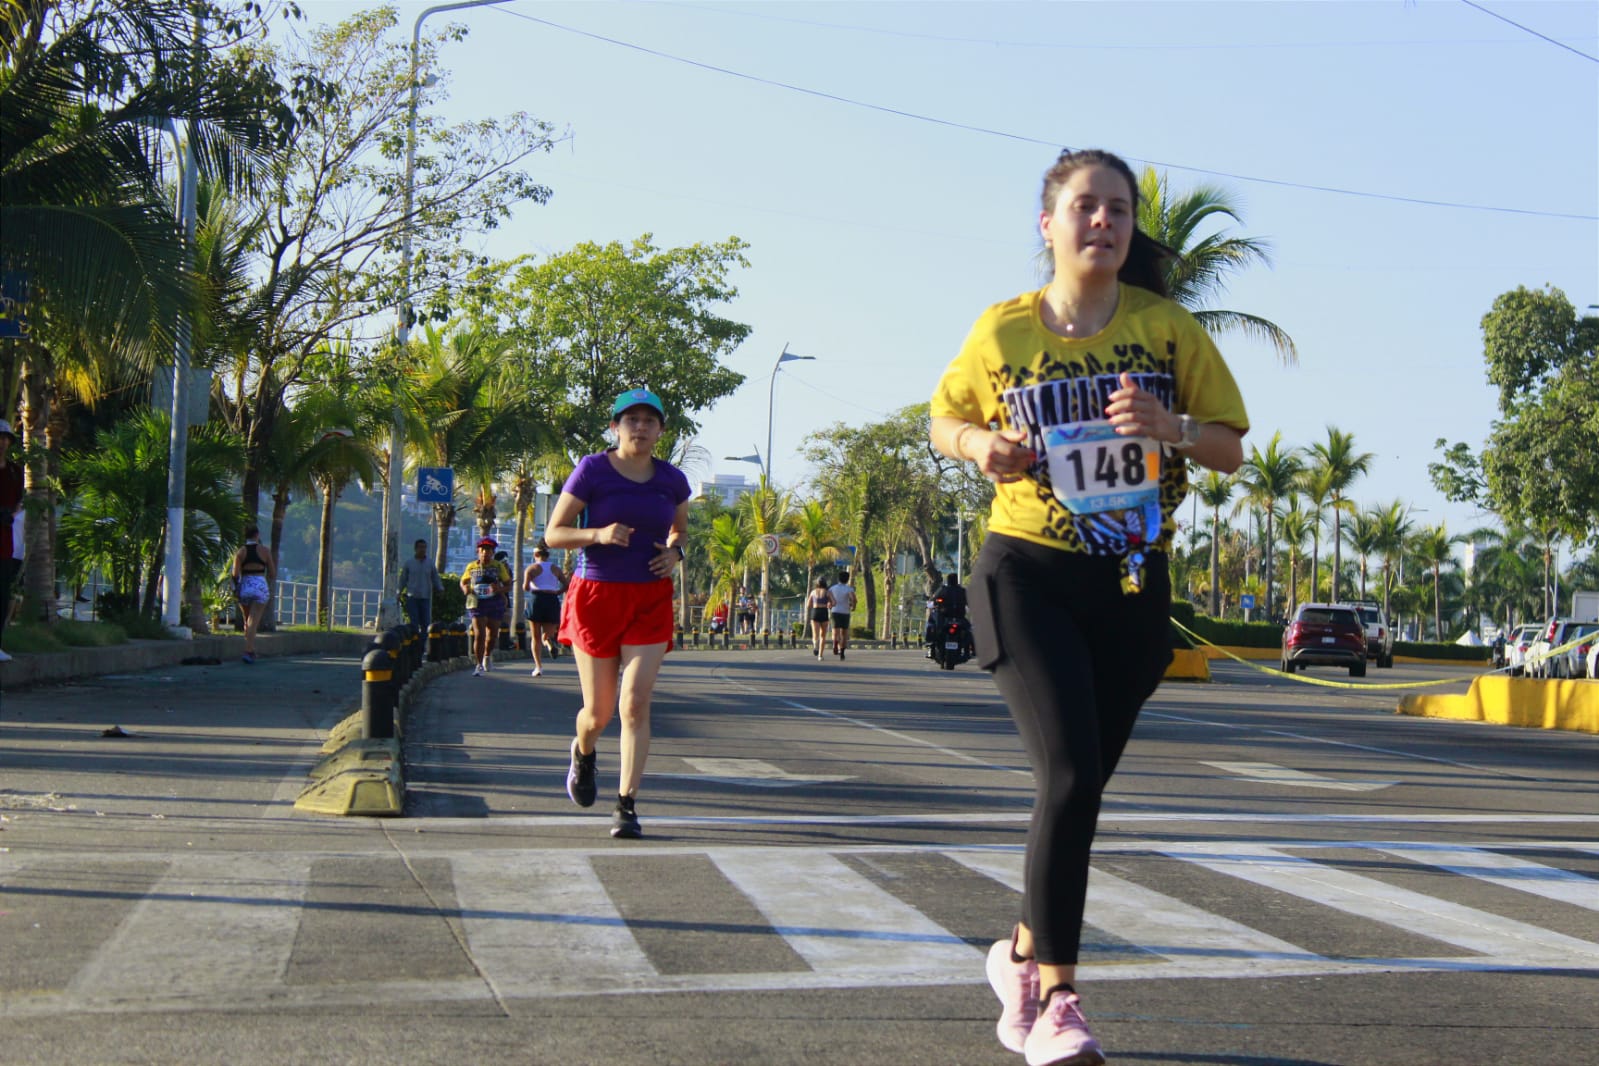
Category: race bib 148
[1093,469]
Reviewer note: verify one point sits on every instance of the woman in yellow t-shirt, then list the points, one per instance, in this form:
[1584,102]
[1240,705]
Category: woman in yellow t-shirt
[1084,402]
[485,581]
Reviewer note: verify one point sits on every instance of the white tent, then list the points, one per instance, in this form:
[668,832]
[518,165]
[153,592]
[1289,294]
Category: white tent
[1470,639]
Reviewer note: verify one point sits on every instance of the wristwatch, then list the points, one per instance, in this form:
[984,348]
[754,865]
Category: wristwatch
[1188,428]
[681,554]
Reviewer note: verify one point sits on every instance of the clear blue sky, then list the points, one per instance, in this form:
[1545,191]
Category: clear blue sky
[877,237]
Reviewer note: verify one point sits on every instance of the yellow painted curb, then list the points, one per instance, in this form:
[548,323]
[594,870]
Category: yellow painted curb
[361,791]
[1568,705]
[342,734]
[358,754]
[1188,664]
[1214,651]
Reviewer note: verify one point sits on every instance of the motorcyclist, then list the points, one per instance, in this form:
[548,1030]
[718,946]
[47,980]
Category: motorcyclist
[948,605]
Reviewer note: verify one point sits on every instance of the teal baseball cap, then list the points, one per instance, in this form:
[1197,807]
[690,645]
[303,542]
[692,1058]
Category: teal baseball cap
[638,398]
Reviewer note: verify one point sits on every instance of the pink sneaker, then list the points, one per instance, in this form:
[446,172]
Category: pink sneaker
[1060,1036]
[1016,985]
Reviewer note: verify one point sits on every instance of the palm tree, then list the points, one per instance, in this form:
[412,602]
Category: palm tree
[728,549]
[1187,223]
[1268,477]
[1337,465]
[813,539]
[1296,528]
[1433,547]
[1393,534]
[1214,490]
[1315,484]
[765,512]
[462,409]
[1364,532]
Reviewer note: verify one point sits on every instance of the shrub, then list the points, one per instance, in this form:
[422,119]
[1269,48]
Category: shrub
[32,638]
[89,634]
[1238,634]
[1444,652]
[449,605]
[1182,611]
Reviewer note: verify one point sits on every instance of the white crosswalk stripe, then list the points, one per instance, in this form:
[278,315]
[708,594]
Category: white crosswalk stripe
[542,922]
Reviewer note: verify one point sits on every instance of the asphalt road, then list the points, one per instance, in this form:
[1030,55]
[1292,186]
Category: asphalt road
[1286,874]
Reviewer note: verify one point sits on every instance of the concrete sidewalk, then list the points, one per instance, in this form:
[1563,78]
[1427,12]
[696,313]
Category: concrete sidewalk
[34,668]
[230,740]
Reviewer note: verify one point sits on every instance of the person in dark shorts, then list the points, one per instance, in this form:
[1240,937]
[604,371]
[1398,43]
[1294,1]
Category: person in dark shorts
[843,594]
[1085,402]
[819,603]
[486,582]
[628,512]
[546,582]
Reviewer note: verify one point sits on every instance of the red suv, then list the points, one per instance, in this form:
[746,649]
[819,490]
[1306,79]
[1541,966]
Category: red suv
[1325,634]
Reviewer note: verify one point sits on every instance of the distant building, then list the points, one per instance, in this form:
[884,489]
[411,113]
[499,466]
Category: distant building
[726,487]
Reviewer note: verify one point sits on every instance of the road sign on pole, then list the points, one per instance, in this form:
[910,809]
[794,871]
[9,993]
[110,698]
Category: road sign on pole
[435,484]
[770,544]
[1247,601]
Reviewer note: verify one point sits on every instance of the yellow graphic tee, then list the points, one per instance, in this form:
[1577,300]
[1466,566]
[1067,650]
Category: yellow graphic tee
[1014,372]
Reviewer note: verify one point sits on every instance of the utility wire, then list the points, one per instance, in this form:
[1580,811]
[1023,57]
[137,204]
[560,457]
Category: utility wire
[1528,29]
[1025,139]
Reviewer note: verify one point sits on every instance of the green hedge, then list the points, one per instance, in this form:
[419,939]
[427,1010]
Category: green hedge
[1238,634]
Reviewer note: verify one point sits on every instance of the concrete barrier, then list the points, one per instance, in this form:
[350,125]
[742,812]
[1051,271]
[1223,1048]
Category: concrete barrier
[36,668]
[1188,664]
[1518,701]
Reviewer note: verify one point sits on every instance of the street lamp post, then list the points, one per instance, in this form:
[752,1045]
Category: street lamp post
[771,394]
[389,609]
[178,455]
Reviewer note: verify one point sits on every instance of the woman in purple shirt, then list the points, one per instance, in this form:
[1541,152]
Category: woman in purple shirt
[628,512]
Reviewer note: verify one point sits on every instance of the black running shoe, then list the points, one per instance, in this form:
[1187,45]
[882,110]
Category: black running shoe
[580,777]
[624,822]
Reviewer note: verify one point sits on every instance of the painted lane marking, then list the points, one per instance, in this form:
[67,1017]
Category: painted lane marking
[1507,871]
[1271,774]
[752,773]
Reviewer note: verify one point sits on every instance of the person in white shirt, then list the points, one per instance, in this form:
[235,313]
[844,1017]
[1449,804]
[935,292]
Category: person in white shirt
[843,594]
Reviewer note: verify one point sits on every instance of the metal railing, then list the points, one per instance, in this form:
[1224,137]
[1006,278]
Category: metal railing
[296,605]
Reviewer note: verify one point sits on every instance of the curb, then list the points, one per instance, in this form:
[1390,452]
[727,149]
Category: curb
[41,668]
[1516,701]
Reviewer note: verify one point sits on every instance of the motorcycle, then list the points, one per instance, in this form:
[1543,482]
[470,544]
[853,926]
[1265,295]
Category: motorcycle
[950,642]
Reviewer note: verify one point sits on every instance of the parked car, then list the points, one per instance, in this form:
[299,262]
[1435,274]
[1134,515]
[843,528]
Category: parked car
[1573,662]
[1517,646]
[1543,661]
[1325,634]
[1593,661]
[1379,634]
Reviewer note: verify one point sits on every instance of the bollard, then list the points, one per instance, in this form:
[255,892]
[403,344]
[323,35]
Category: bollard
[435,647]
[521,636]
[458,647]
[377,694]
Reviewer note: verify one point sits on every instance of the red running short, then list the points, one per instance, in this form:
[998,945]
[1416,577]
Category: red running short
[598,617]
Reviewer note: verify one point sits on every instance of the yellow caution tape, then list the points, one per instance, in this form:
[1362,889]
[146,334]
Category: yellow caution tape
[1315,680]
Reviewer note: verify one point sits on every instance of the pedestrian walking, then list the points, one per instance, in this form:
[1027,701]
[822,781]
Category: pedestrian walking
[1084,402]
[419,580]
[843,594]
[628,513]
[253,571]
[820,604]
[486,582]
[546,582]
[11,541]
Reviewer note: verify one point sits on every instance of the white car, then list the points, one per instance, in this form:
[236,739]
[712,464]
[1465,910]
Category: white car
[1593,661]
[1573,662]
[1516,648]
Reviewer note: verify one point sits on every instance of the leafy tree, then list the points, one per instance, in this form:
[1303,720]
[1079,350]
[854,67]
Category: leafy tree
[593,321]
[814,539]
[764,512]
[1392,536]
[1296,527]
[1267,477]
[1208,256]
[727,548]
[1541,462]
[1336,465]
[333,226]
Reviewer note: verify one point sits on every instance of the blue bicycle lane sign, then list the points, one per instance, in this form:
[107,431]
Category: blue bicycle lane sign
[435,484]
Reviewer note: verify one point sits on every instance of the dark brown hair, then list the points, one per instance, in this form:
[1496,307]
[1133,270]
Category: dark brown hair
[1145,256]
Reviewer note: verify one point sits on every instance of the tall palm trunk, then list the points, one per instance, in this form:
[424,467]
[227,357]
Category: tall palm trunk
[443,520]
[39,571]
[324,562]
[521,499]
[280,510]
[1338,542]
[1215,561]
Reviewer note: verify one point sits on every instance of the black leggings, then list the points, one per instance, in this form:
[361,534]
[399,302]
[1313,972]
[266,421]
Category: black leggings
[1074,658]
